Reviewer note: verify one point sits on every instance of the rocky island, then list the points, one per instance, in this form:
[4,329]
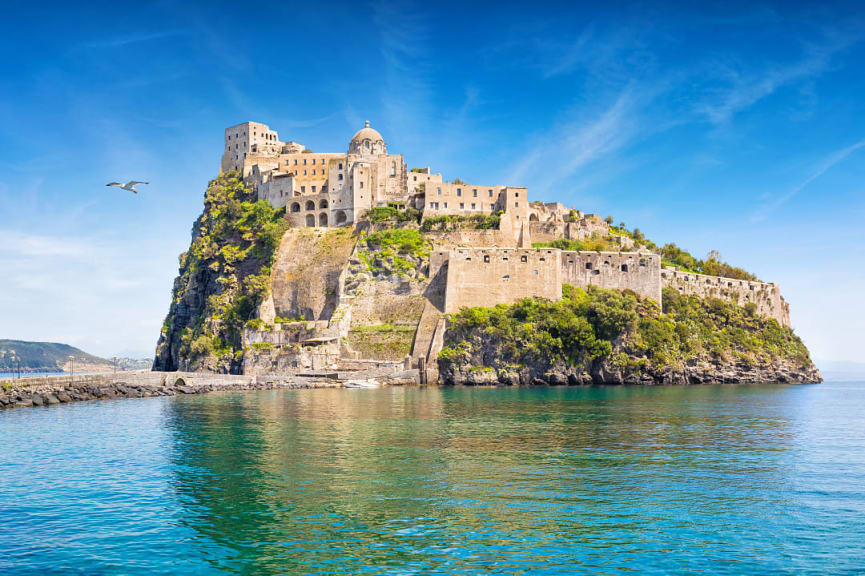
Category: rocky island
[305,261]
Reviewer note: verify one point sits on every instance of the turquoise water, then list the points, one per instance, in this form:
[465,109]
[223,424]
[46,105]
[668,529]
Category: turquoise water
[715,479]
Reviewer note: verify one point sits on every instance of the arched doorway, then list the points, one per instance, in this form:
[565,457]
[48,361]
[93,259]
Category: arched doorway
[310,220]
[340,217]
[322,219]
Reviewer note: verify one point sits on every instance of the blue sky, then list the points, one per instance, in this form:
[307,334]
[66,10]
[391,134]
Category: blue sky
[739,128]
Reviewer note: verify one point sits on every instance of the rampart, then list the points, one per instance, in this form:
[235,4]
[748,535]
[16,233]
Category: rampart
[766,297]
[491,276]
[635,271]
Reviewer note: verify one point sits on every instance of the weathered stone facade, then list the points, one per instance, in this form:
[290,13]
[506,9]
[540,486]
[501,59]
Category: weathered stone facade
[490,276]
[766,297]
[640,272]
[334,189]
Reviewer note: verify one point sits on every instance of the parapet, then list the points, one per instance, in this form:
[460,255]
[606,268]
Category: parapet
[765,296]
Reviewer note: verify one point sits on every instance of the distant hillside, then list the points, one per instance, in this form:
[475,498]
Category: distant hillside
[46,356]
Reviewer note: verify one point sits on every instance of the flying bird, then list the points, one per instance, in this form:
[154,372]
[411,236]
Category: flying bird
[129,186]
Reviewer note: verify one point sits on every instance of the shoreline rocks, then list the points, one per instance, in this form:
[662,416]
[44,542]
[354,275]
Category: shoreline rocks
[48,391]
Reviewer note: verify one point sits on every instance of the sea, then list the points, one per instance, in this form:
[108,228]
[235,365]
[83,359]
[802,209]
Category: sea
[710,479]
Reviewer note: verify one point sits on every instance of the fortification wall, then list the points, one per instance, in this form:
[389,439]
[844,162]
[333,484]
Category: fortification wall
[491,276]
[767,297]
[618,270]
[468,238]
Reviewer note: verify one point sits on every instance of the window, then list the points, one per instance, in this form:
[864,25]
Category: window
[313,171]
[516,194]
[473,205]
[446,204]
[361,184]
[304,172]
[304,161]
[340,176]
[313,189]
[459,191]
[588,265]
[302,189]
[624,267]
[524,258]
[516,204]
[462,206]
[295,161]
[491,192]
[340,165]
[487,258]
[415,178]
[475,192]
[439,191]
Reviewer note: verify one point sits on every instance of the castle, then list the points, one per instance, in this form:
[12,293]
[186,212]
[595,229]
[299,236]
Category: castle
[475,267]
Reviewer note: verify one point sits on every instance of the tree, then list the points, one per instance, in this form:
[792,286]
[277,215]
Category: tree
[609,220]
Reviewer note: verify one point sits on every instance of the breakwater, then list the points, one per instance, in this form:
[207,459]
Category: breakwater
[48,390]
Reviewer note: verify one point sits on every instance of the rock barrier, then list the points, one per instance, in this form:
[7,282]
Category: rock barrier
[49,390]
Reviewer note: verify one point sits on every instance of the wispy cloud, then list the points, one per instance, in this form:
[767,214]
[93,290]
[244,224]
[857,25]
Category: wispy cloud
[827,164]
[744,86]
[17,244]
[119,41]
[577,143]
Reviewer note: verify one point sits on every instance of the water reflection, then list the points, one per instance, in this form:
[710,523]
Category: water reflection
[456,480]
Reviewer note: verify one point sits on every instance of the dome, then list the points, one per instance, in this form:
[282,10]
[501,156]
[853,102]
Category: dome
[367,140]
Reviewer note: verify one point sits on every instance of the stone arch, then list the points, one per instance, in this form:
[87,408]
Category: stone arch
[533,217]
[322,203]
[310,204]
[341,218]
[310,220]
[295,206]
[322,219]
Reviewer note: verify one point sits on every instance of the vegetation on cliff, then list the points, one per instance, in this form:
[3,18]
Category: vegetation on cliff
[223,278]
[606,335]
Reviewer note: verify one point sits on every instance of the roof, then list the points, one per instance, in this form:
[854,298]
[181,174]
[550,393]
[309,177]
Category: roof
[367,133]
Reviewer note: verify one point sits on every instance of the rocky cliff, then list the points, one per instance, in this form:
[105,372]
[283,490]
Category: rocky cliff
[223,278]
[607,337]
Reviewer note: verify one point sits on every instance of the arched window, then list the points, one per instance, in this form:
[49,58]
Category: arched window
[310,205]
[323,203]
[295,207]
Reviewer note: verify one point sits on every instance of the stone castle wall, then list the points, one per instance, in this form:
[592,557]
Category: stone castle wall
[490,276]
[767,297]
[619,270]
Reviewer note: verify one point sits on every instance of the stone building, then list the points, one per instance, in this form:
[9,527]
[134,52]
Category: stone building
[483,267]
[334,189]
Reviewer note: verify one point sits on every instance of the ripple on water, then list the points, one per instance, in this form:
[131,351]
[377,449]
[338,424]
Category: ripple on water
[719,479]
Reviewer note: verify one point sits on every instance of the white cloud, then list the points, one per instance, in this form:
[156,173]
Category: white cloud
[827,164]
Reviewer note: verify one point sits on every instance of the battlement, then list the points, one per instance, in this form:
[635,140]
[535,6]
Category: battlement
[765,296]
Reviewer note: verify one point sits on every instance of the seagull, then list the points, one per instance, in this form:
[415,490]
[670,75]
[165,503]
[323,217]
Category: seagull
[129,186]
